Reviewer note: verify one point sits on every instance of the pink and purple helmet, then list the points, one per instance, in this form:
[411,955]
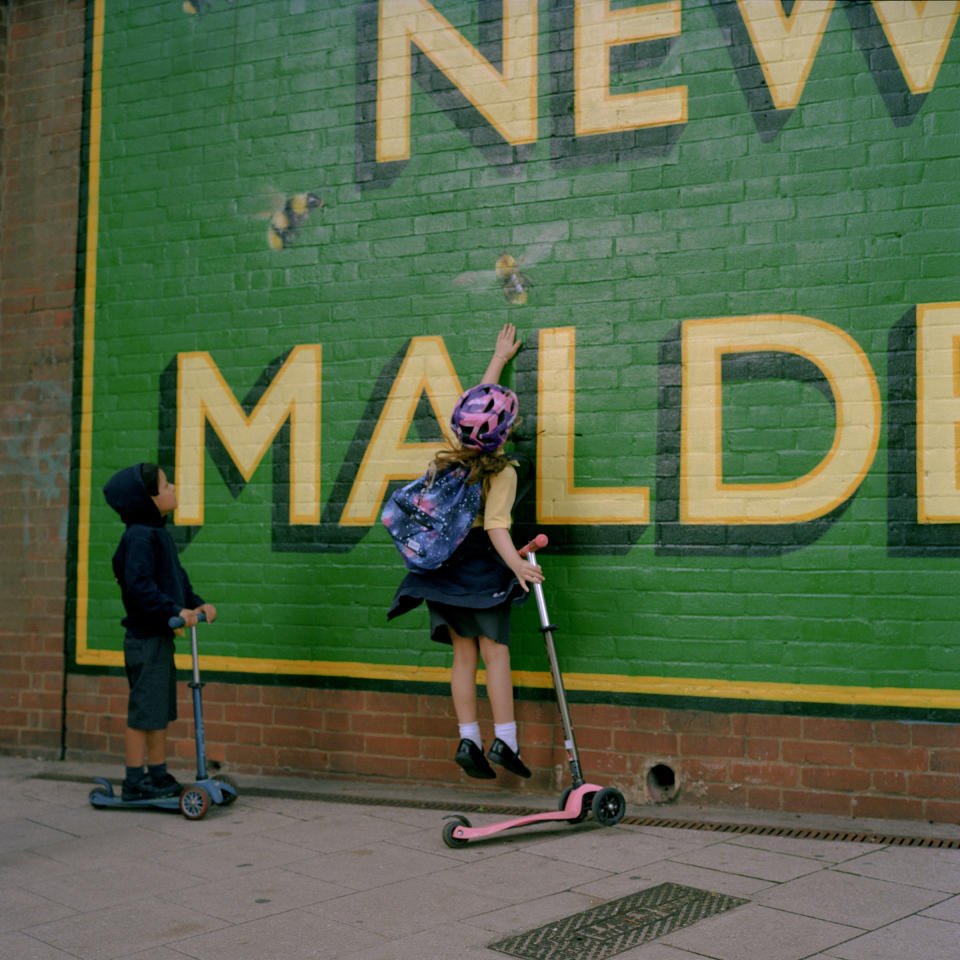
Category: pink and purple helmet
[484,415]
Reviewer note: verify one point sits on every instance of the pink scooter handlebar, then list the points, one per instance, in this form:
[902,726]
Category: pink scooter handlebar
[540,540]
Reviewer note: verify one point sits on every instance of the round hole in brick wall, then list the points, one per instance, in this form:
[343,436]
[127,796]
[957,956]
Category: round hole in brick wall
[662,783]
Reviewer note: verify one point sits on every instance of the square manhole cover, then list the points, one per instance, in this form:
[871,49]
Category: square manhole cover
[616,926]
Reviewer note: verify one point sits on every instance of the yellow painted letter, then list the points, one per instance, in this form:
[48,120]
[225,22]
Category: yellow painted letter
[558,500]
[785,46]
[203,395]
[919,33]
[938,413]
[704,497]
[507,100]
[597,29]
[425,369]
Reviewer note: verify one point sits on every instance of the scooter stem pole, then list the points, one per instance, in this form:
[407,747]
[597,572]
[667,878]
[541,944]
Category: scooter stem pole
[568,739]
[198,708]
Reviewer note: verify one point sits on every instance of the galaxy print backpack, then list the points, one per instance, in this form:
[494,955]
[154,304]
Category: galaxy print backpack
[429,518]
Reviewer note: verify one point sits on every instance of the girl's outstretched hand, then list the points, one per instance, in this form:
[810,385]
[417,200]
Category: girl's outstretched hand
[507,343]
[503,352]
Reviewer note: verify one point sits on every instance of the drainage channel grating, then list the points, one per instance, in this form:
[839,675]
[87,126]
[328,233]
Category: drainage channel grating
[616,926]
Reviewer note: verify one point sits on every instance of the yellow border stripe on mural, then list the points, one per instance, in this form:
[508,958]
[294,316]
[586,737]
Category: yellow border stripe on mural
[89,308]
[613,683]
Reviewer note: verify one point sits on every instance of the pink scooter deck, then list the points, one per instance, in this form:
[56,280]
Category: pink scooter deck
[573,810]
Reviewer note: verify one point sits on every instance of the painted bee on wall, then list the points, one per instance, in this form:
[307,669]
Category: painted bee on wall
[506,271]
[287,215]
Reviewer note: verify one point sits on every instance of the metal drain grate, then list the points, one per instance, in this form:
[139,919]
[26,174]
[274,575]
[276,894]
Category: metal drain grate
[616,926]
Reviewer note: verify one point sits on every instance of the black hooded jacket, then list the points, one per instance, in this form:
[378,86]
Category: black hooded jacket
[153,585]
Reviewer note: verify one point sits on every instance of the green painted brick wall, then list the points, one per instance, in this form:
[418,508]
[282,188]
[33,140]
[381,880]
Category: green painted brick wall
[843,209]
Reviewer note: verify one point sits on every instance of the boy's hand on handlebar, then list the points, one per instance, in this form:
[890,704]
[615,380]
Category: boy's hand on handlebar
[188,617]
[209,610]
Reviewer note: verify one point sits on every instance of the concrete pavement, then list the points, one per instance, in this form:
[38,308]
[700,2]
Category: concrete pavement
[309,870]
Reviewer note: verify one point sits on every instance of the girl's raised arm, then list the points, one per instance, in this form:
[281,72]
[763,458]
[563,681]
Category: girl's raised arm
[504,351]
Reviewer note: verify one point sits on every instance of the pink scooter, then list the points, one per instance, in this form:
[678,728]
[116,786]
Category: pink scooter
[606,803]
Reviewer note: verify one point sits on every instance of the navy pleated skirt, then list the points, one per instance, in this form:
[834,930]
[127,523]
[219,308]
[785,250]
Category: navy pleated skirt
[471,594]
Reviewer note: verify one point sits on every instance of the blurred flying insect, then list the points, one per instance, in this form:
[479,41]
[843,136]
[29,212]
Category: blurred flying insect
[287,215]
[194,7]
[506,271]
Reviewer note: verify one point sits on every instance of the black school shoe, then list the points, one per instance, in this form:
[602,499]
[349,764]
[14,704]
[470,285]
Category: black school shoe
[474,763]
[168,784]
[146,789]
[500,753]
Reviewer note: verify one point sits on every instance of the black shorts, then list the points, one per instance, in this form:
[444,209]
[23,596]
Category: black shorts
[153,682]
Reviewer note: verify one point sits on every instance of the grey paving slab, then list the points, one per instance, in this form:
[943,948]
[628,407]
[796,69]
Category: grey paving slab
[945,910]
[620,885]
[516,918]
[758,933]
[613,850]
[18,946]
[859,901]
[120,931]
[409,907]
[659,951]
[155,953]
[730,857]
[109,846]
[451,941]
[921,866]
[518,876]
[831,851]
[328,832]
[371,864]
[224,860]
[259,893]
[16,865]
[914,938]
[295,935]
[20,908]
[125,880]
[21,833]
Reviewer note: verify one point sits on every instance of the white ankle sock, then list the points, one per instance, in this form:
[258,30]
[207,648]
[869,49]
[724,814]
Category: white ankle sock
[507,732]
[471,731]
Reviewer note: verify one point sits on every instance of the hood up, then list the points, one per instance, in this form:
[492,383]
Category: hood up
[127,494]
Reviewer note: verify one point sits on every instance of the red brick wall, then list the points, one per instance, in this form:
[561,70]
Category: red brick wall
[860,768]
[39,184]
[788,763]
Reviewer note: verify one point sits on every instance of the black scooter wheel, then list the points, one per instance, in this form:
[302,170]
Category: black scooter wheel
[608,806]
[457,820]
[194,802]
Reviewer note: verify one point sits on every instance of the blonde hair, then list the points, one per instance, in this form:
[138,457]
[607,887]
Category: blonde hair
[481,467]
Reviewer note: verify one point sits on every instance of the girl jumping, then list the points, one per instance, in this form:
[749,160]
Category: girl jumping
[470,596]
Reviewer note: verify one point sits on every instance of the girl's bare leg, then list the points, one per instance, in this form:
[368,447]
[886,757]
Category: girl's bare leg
[496,658]
[463,678]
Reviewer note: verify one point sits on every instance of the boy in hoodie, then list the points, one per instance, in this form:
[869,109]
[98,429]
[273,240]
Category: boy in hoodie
[154,587]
